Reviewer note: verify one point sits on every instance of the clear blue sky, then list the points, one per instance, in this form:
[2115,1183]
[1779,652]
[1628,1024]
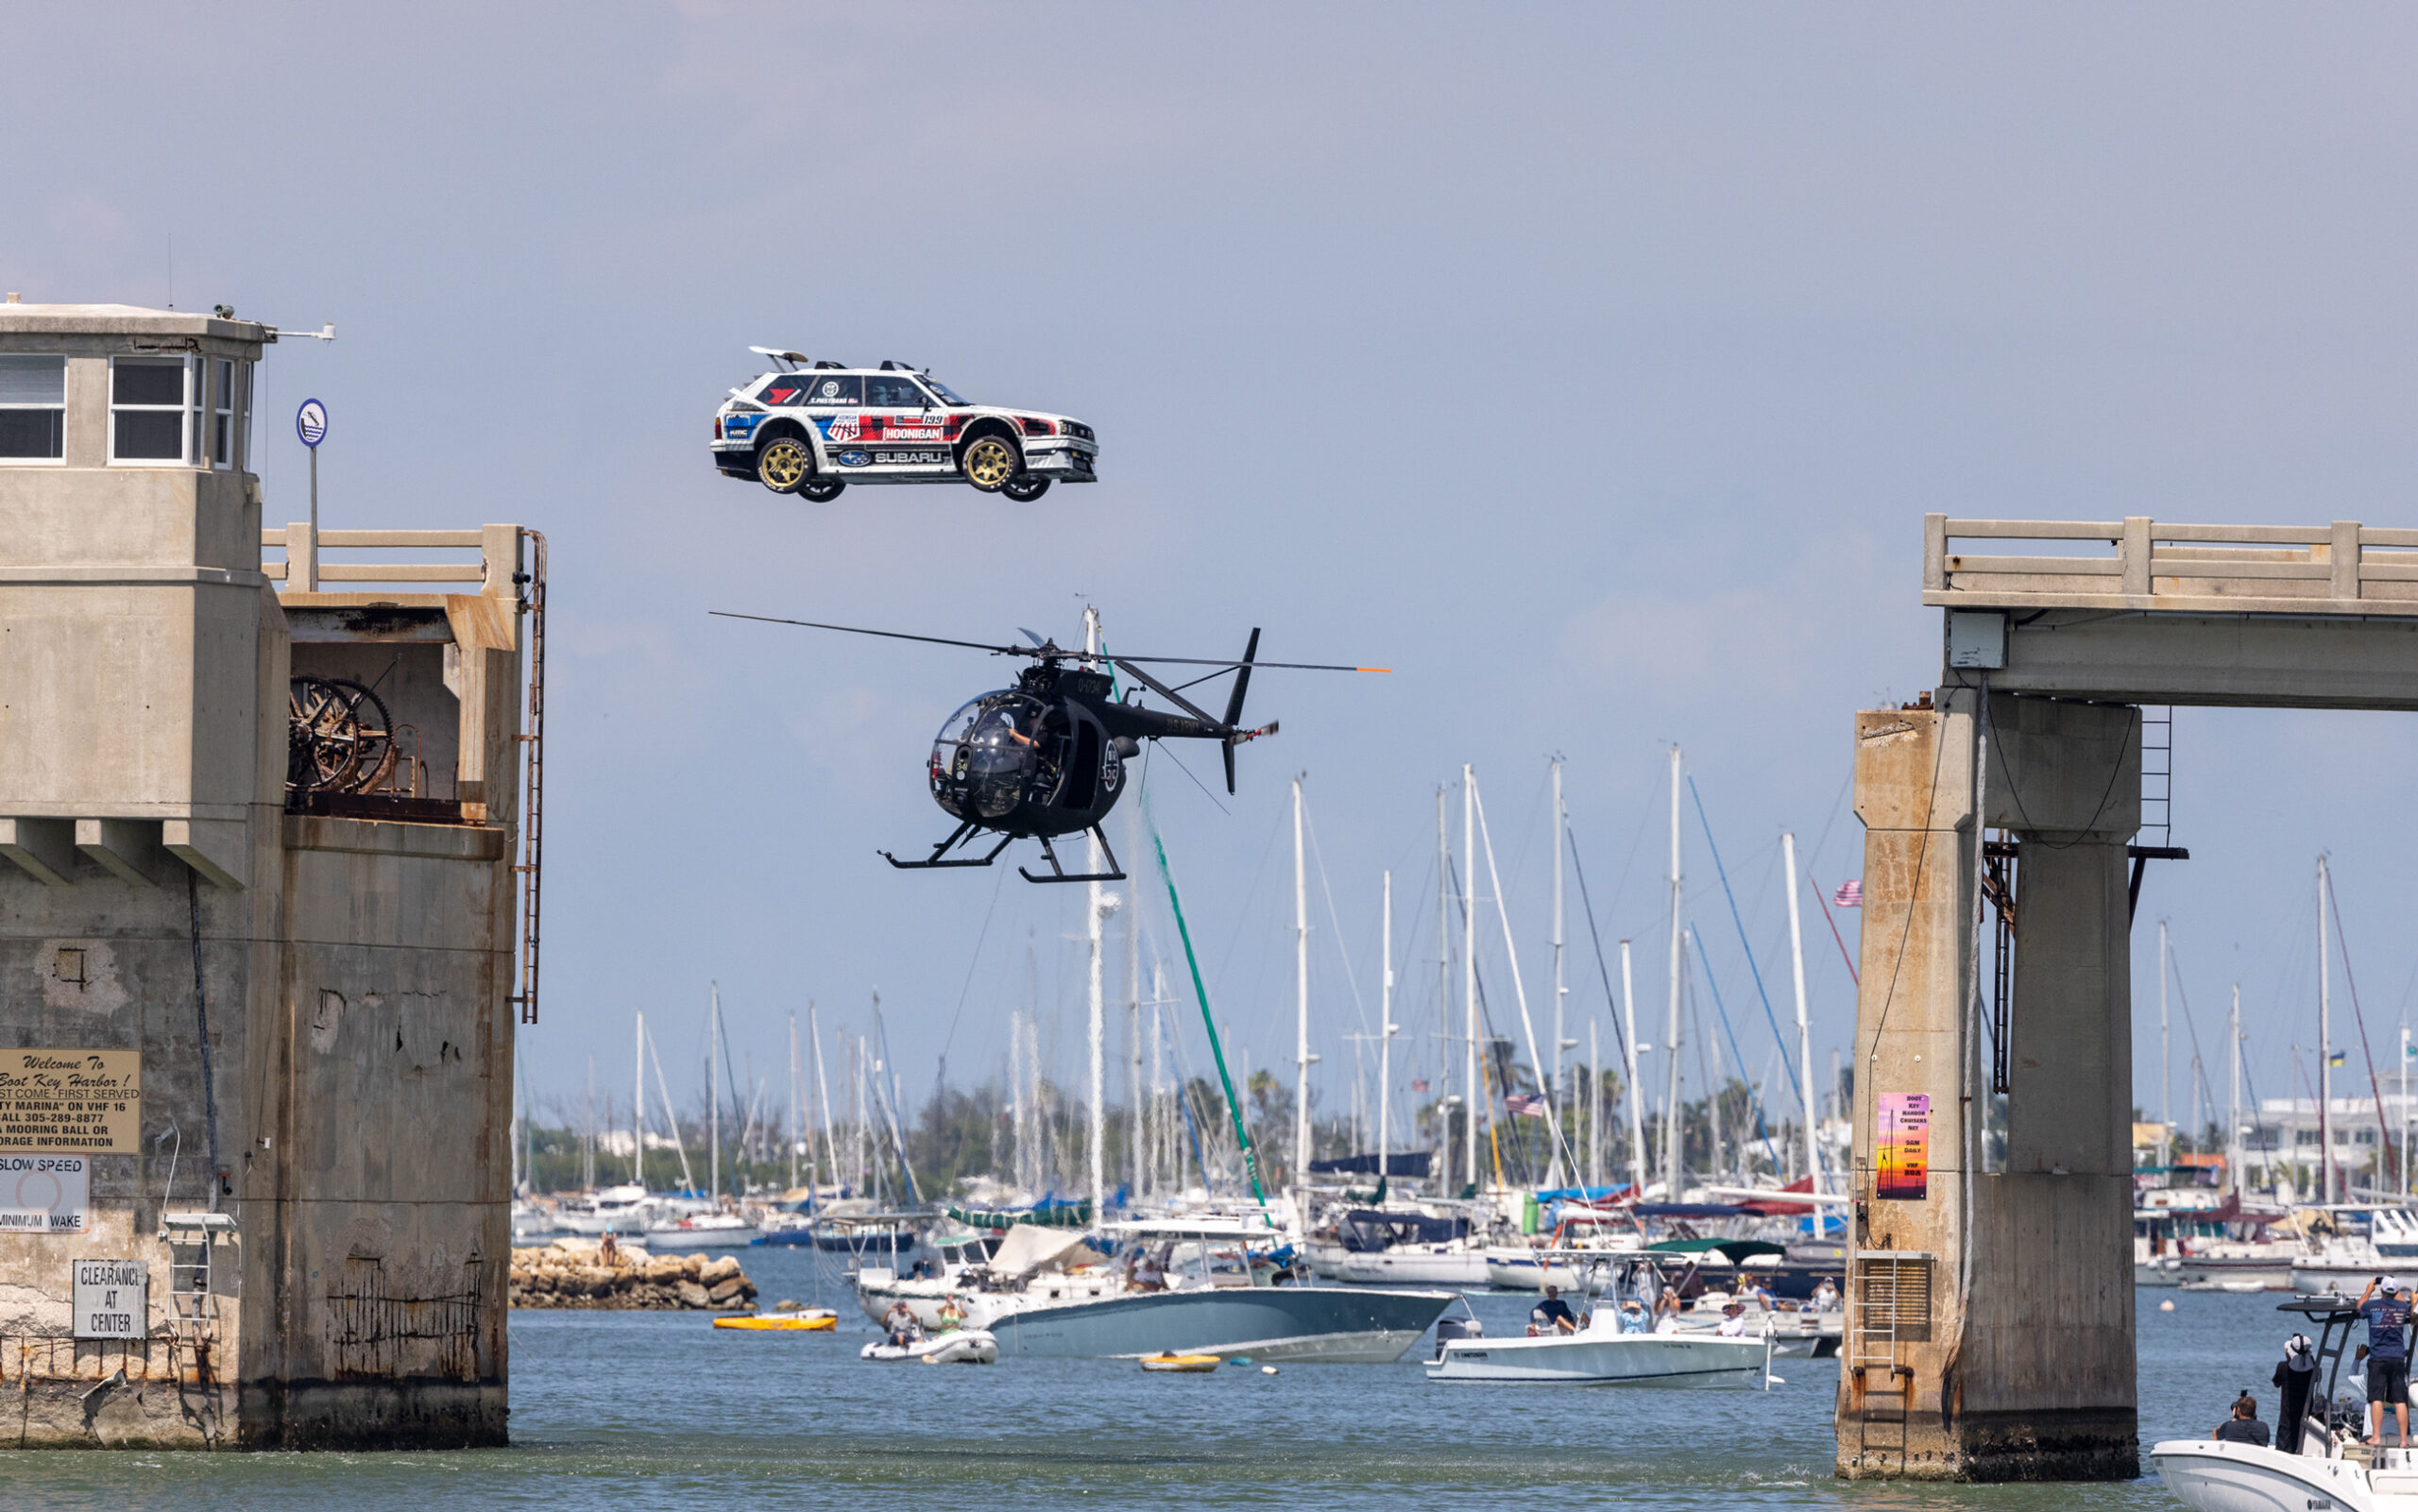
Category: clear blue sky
[1591,366]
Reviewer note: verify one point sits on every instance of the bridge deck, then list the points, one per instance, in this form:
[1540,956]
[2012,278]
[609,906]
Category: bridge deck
[2340,569]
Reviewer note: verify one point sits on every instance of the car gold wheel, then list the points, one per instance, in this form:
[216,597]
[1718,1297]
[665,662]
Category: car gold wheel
[784,464]
[990,462]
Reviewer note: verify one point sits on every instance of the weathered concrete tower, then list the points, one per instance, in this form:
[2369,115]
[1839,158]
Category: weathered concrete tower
[1989,1274]
[257,924]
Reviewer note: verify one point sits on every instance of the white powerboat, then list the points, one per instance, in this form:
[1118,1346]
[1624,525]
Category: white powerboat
[1216,1295]
[2368,1241]
[1452,1263]
[1799,1333]
[1601,1353]
[703,1231]
[2330,1472]
[879,1287]
[2217,1477]
[1603,1356]
[616,1210]
[1523,1267]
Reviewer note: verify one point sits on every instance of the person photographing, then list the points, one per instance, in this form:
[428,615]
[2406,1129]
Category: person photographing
[2243,1427]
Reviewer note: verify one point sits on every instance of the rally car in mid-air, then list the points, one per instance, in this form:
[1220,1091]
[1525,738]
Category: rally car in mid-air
[813,428]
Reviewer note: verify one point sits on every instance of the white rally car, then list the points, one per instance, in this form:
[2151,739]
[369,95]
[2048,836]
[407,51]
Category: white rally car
[812,428]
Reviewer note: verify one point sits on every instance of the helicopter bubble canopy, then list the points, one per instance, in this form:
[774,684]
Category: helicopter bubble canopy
[986,754]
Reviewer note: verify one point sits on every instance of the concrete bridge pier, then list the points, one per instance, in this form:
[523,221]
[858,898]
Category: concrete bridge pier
[1990,1299]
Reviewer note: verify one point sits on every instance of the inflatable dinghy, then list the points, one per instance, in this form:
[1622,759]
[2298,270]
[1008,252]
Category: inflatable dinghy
[967,1346]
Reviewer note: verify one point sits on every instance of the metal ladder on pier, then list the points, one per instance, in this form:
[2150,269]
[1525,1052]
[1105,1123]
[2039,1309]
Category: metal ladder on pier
[195,1336]
[2158,774]
[1892,1288]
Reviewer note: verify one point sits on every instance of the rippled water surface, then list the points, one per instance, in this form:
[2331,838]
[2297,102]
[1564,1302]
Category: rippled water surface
[657,1410]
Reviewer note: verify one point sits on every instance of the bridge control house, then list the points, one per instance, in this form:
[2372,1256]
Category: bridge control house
[266,911]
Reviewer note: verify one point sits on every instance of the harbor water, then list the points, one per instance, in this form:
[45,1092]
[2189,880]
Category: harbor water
[658,1410]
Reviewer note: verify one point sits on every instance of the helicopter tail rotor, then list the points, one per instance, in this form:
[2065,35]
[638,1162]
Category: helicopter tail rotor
[1234,706]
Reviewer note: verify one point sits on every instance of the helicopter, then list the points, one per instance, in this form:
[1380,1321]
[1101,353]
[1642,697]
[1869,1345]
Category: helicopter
[1045,759]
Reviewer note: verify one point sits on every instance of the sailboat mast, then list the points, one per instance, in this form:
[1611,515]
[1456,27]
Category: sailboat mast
[823,1092]
[1560,993]
[1301,1002]
[2233,1094]
[637,1109]
[2165,1060]
[713,1099]
[1386,1037]
[1671,1036]
[1135,1115]
[1445,986]
[1469,958]
[1636,1090]
[797,1075]
[1594,1103]
[1804,1027]
[2324,1050]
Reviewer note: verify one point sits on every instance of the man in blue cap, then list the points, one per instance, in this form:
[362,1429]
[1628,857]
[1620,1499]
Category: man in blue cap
[2386,1307]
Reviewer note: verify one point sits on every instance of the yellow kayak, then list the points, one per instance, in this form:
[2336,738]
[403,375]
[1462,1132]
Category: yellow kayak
[1180,1364]
[819,1322]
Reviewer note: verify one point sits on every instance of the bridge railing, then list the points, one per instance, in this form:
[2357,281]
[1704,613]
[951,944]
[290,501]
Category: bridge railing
[301,571]
[2341,567]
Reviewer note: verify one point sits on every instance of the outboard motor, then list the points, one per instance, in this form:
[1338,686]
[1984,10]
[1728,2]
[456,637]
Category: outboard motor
[1449,1328]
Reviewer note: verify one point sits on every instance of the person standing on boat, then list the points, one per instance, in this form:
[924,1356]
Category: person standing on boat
[1633,1318]
[1552,1315]
[2386,1307]
[2295,1377]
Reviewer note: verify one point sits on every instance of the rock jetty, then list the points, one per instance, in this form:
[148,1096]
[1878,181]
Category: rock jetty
[573,1275]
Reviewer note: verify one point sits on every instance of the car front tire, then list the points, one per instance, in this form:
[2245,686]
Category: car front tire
[821,490]
[784,464]
[990,462]
[1024,488]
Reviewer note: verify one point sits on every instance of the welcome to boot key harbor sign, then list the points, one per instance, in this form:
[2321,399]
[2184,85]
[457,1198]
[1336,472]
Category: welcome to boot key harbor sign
[59,1108]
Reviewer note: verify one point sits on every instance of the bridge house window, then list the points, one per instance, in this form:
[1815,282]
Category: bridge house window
[154,409]
[33,408]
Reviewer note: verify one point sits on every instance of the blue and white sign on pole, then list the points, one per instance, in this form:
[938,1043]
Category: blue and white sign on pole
[311,424]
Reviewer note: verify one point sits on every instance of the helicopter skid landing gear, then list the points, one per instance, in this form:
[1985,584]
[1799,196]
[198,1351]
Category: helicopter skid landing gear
[942,849]
[1114,873]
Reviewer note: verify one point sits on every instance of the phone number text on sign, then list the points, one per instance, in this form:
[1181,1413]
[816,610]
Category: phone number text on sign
[85,1100]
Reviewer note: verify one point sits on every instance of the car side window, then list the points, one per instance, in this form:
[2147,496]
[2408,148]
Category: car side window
[895,391]
[786,388]
[846,389]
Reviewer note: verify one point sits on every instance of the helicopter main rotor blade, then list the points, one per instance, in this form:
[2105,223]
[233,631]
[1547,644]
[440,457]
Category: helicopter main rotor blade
[1230,662]
[893,634]
[1046,650]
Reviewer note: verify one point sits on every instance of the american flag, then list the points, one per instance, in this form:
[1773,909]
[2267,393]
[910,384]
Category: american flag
[1850,893]
[1419,1084]
[1524,1105]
